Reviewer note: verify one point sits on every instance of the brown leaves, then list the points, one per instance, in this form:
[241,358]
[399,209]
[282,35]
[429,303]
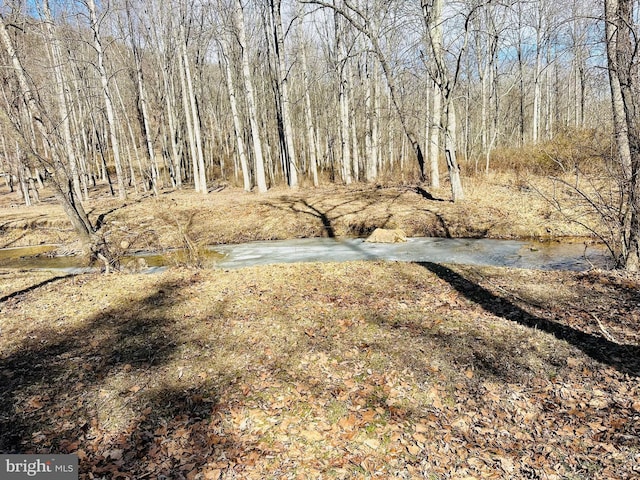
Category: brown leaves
[312,370]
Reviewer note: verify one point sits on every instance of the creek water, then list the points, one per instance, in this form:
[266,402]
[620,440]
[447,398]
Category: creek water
[501,253]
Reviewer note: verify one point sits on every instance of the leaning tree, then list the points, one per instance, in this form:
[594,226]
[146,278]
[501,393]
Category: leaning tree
[48,151]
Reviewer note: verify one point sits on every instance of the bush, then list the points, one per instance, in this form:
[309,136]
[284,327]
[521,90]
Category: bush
[571,149]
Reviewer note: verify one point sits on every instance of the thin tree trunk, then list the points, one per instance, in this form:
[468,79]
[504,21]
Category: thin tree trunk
[371,162]
[132,137]
[142,96]
[171,123]
[355,149]
[285,104]
[620,53]
[108,103]
[308,117]
[192,109]
[61,82]
[258,156]
[237,122]
[537,88]
[445,84]
[191,138]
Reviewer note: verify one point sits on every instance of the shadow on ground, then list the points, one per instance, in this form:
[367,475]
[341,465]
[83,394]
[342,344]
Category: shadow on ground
[624,358]
[53,386]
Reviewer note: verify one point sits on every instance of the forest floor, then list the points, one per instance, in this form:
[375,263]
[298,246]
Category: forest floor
[320,370]
[502,206]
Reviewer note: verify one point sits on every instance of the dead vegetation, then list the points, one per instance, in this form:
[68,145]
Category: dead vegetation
[355,370]
[498,206]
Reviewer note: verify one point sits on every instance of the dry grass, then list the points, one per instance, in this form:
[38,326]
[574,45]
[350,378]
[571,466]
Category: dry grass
[498,206]
[354,370]
[311,371]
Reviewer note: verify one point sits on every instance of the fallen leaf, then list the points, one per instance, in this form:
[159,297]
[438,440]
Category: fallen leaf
[348,423]
[372,443]
[573,362]
[368,416]
[311,435]
[35,403]
[115,454]
[421,428]
[507,464]
[414,449]
[418,437]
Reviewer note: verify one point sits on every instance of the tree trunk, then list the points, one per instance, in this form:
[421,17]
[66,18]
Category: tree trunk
[237,122]
[199,170]
[312,143]
[258,155]
[60,81]
[371,160]
[108,103]
[283,88]
[445,83]
[450,148]
[621,51]
[432,19]
[176,161]
[537,88]
[142,99]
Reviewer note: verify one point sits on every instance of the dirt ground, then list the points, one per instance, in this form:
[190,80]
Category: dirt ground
[320,371]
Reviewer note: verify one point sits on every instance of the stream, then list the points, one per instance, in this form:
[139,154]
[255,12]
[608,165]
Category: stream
[489,252]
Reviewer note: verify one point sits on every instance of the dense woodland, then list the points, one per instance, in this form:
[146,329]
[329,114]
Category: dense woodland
[146,95]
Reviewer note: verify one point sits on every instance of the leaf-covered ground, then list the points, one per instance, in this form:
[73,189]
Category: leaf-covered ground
[354,370]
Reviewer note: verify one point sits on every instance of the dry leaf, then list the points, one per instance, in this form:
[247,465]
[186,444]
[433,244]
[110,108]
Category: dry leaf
[372,443]
[414,449]
[311,435]
[368,415]
[418,437]
[421,428]
[348,423]
[115,454]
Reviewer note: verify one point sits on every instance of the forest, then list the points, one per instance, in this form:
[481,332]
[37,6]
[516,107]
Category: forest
[176,129]
[146,96]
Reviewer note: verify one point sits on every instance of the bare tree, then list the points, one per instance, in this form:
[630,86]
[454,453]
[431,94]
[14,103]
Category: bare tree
[445,87]
[237,121]
[241,37]
[282,90]
[622,54]
[142,96]
[359,20]
[107,96]
[51,143]
[312,142]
